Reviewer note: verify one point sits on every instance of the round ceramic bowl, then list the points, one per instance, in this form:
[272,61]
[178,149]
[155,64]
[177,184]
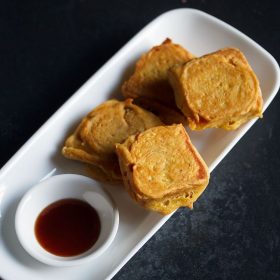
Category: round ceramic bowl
[62,187]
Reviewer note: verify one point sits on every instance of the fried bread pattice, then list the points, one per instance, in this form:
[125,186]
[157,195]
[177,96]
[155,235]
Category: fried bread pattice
[217,90]
[149,81]
[161,169]
[94,139]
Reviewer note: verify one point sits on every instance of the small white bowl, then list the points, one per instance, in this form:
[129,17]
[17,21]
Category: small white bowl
[61,187]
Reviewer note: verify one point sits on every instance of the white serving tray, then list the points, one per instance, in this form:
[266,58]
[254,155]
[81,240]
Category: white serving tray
[40,157]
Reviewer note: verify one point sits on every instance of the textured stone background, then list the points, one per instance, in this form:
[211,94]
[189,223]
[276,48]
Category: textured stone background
[49,48]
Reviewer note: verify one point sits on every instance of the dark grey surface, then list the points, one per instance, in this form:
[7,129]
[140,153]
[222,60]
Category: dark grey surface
[49,48]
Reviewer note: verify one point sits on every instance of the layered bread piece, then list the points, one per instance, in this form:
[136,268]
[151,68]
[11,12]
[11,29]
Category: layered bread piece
[149,81]
[217,90]
[94,139]
[161,168]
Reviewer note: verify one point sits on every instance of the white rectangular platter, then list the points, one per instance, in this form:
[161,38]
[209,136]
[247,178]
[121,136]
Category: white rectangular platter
[40,157]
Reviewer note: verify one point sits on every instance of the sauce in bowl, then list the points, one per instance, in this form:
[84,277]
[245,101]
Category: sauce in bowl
[67,227]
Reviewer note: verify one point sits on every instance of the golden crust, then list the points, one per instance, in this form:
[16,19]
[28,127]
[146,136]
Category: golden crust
[217,90]
[94,140]
[162,169]
[150,77]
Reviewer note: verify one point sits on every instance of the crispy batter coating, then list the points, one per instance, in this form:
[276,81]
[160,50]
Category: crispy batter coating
[161,168]
[150,81]
[217,90]
[94,140]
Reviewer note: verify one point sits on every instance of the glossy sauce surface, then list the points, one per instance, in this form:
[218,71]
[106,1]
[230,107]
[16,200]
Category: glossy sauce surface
[67,227]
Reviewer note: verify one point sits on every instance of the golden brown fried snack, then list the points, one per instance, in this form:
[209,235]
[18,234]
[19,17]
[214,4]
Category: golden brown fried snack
[149,80]
[217,90]
[94,140]
[161,168]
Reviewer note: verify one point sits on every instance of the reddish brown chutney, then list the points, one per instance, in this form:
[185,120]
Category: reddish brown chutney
[67,227]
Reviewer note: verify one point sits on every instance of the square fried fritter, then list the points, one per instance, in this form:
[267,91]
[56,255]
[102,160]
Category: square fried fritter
[161,168]
[149,80]
[217,90]
[94,139]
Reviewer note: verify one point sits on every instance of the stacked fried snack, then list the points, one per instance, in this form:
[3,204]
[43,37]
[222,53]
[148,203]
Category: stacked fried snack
[94,139]
[151,151]
[149,85]
[161,168]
